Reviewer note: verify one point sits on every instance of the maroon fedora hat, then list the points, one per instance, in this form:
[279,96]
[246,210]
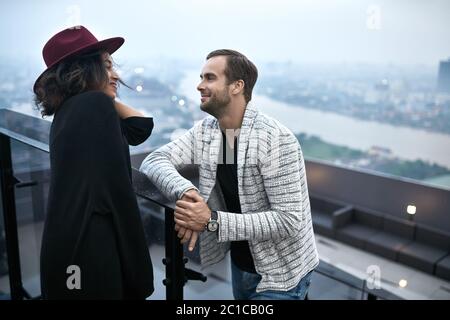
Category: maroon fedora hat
[72,42]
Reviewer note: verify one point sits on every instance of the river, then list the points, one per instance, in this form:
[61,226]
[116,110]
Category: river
[404,142]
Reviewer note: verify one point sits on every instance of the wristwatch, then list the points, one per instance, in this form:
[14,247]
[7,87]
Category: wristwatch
[212,224]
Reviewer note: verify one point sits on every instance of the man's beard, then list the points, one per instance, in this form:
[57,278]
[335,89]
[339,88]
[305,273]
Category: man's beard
[216,104]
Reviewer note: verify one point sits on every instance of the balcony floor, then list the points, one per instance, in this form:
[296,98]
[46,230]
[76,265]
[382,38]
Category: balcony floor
[218,287]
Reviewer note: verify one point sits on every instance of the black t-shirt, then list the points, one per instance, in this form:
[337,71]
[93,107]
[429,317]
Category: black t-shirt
[227,177]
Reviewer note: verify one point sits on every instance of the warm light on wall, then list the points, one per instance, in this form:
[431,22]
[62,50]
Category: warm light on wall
[403,283]
[411,209]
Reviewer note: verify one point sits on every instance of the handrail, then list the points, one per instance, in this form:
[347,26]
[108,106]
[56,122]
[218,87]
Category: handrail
[29,130]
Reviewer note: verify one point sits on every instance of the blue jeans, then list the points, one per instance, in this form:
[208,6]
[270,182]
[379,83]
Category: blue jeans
[244,287]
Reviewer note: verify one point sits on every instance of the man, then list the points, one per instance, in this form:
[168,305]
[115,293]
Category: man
[252,198]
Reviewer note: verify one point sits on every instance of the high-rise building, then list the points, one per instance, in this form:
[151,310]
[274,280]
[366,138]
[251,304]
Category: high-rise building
[443,84]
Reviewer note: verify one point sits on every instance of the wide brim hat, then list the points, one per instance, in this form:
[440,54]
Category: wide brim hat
[73,42]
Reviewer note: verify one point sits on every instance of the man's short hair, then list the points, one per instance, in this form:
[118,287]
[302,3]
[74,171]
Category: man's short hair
[239,67]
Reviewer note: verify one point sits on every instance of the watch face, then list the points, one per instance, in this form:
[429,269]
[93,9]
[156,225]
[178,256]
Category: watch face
[213,226]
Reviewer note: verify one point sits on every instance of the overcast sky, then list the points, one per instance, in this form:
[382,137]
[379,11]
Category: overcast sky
[312,31]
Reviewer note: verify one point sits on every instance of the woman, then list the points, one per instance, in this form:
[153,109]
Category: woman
[93,244]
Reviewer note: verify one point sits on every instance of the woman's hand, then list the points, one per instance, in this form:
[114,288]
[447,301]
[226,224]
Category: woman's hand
[125,111]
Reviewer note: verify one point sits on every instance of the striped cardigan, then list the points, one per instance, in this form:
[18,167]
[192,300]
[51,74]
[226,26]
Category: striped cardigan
[276,214]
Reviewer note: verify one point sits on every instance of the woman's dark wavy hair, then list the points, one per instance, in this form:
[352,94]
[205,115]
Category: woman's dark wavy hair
[69,78]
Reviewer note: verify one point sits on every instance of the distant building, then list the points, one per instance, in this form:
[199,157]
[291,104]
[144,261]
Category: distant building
[382,85]
[444,76]
[381,152]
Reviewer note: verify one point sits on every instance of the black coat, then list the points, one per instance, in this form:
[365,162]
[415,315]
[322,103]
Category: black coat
[93,219]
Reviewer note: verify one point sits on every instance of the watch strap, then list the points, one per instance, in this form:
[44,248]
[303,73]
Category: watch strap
[214,215]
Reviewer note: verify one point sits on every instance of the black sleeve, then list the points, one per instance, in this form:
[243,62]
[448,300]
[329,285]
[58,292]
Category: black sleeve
[107,162]
[136,129]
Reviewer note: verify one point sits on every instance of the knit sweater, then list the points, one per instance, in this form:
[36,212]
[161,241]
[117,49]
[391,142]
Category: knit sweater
[273,193]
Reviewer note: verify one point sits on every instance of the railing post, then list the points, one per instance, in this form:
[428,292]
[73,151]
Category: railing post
[38,195]
[7,181]
[371,296]
[175,279]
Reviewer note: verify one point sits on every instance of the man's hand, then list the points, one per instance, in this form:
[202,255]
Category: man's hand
[192,215]
[184,233]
